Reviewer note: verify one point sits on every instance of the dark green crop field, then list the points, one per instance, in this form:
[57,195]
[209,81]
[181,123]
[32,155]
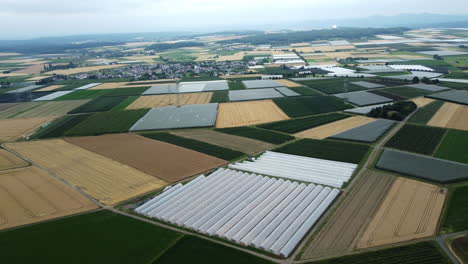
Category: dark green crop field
[333,86]
[306,91]
[300,124]
[209,149]
[424,114]
[310,105]
[100,104]
[327,149]
[419,139]
[406,92]
[456,218]
[454,146]
[256,133]
[60,127]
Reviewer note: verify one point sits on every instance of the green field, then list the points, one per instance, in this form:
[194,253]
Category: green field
[406,92]
[83,94]
[220,97]
[456,217]
[191,249]
[458,86]
[99,237]
[327,149]
[420,253]
[257,133]
[107,122]
[100,104]
[305,106]
[209,149]
[236,85]
[388,95]
[127,91]
[425,113]
[59,127]
[125,103]
[300,124]
[333,86]
[415,138]
[306,91]
[454,146]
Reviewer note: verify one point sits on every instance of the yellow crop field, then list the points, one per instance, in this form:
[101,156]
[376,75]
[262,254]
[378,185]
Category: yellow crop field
[451,116]
[155,101]
[12,129]
[322,48]
[248,113]
[235,57]
[30,195]
[9,160]
[106,180]
[112,85]
[50,88]
[53,108]
[288,83]
[422,101]
[84,69]
[411,210]
[333,128]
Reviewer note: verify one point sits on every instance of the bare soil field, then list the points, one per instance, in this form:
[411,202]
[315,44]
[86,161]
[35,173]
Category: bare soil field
[18,108]
[9,160]
[333,128]
[106,180]
[58,108]
[422,101]
[164,161]
[155,101]
[248,113]
[12,129]
[50,88]
[411,210]
[30,195]
[83,69]
[289,83]
[338,235]
[112,85]
[238,143]
[451,115]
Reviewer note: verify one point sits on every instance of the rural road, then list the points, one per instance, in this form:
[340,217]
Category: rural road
[441,240]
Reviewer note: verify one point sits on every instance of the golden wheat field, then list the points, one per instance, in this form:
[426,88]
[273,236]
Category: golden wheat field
[451,115]
[155,101]
[106,180]
[30,195]
[334,128]
[411,210]
[422,101]
[288,83]
[12,129]
[9,160]
[50,88]
[111,85]
[248,113]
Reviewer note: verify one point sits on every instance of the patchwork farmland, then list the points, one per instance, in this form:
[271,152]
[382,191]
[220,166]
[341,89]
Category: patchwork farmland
[451,116]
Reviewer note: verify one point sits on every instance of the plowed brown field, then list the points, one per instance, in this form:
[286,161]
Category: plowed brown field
[451,116]
[162,160]
[334,128]
[104,179]
[12,129]
[155,101]
[248,113]
[338,235]
[30,195]
[411,210]
[9,160]
[242,144]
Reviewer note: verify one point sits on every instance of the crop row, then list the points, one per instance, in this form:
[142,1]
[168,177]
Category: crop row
[419,139]
[301,124]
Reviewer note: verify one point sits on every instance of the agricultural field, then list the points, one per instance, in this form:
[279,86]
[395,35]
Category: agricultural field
[106,123]
[406,92]
[219,97]
[258,134]
[340,231]
[451,116]
[104,179]
[301,124]
[17,109]
[49,88]
[305,106]
[363,98]
[369,133]
[200,146]
[9,160]
[306,91]
[460,246]
[288,83]
[59,127]
[83,69]
[125,103]
[248,113]
[109,85]
[327,149]
[423,252]
[411,210]
[31,195]
[238,143]
[424,114]
[99,104]
[456,216]
[155,101]
[453,146]
[5,106]
[422,101]
[53,108]
[332,86]
[333,128]
[12,129]
[83,94]
[419,139]
[155,158]
[100,237]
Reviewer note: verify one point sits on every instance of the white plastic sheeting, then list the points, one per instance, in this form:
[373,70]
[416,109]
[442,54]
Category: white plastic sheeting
[91,85]
[411,67]
[267,213]
[327,172]
[52,96]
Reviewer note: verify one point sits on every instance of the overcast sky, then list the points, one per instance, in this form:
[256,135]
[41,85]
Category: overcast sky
[31,18]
